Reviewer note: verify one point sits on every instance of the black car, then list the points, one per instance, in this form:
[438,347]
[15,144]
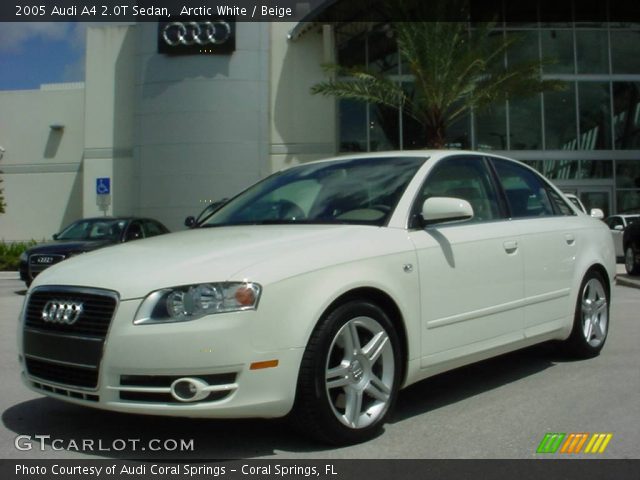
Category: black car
[83,236]
[631,248]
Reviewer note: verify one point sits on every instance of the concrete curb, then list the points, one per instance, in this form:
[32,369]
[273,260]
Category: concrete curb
[628,281]
[9,276]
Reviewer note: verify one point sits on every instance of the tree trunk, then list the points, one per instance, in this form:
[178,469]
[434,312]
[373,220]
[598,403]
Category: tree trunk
[436,133]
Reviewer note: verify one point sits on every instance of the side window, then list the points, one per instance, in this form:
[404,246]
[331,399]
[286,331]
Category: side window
[466,178]
[559,205]
[134,231]
[151,229]
[526,193]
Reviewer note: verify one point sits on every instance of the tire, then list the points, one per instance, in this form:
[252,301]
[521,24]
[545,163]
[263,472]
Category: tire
[630,264]
[591,319]
[349,376]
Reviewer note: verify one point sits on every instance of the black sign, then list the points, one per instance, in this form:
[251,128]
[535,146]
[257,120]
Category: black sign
[191,36]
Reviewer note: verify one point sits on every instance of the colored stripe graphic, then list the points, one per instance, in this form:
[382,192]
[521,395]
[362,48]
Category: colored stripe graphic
[598,443]
[573,443]
[551,442]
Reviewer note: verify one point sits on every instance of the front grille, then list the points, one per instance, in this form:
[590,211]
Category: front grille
[62,353]
[67,393]
[62,374]
[97,311]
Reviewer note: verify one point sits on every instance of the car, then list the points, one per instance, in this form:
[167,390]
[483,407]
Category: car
[631,246]
[618,224]
[84,236]
[195,222]
[321,291]
[594,212]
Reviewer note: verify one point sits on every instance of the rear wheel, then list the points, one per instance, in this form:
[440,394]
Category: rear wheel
[349,375]
[630,264]
[591,319]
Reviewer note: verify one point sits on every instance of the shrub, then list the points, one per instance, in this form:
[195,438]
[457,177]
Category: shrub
[10,254]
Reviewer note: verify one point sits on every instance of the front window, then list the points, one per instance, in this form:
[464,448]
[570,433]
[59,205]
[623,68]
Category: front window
[358,191]
[95,229]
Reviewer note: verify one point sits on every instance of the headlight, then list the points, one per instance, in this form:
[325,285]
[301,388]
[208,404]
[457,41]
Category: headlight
[24,256]
[180,304]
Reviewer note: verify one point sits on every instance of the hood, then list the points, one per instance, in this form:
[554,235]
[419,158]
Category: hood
[254,253]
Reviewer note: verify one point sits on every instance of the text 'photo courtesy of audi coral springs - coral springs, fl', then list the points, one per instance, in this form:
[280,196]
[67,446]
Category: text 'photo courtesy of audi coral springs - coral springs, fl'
[321,291]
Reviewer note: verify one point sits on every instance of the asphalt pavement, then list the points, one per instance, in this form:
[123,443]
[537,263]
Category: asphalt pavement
[500,408]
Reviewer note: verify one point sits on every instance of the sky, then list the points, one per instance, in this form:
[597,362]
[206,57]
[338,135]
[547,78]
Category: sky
[35,53]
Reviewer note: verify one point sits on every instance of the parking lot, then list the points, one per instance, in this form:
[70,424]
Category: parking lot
[501,408]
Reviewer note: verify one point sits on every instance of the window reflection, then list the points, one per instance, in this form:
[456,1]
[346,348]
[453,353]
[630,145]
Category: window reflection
[592,51]
[491,128]
[595,127]
[525,121]
[558,46]
[353,126]
[624,51]
[626,114]
[560,119]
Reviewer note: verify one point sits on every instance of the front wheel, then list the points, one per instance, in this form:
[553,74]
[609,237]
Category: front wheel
[591,319]
[630,264]
[349,376]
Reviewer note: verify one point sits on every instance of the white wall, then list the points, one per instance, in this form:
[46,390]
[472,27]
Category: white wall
[42,166]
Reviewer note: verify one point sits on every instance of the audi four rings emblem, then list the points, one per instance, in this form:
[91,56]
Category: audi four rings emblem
[59,311]
[196,33]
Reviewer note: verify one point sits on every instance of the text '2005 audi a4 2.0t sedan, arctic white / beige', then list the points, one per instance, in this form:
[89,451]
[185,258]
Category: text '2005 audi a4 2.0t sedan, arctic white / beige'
[321,291]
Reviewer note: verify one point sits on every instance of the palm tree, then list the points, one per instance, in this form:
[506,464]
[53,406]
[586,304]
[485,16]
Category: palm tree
[456,69]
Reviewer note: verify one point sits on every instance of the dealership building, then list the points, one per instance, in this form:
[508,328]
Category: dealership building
[160,129]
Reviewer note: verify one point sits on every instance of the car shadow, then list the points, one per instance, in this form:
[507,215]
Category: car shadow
[471,380]
[234,439]
[22,293]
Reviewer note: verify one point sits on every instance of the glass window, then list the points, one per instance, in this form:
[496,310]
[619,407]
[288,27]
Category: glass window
[526,192]
[592,51]
[628,201]
[596,169]
[628,173]
[624,51]
[557,46]
[525,119]
[352,51]
[151,229]
[383,51]
[626,114]
[595,116]
[353,126]
[560,119]
[384,128]
[491,128]
[459,133]
[466,178]
[559,205]
[524,49]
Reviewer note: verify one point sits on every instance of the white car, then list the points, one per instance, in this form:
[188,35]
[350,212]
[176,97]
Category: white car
[618,224]
[323,290]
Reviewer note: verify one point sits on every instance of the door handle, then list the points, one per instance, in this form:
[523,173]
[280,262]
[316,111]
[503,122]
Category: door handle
[569,238]
[510,246]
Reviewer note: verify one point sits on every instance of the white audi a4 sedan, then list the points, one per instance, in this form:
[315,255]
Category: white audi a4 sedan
[321,291]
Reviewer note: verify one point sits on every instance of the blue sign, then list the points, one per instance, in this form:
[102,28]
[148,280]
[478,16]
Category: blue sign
[103,186]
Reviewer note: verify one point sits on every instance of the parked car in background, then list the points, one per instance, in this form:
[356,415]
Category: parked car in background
[631,246]
[194,222]
[618,224]
[84,236]
[594,212]
[321,291]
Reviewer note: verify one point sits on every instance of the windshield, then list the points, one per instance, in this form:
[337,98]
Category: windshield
[94,229]
[358,191]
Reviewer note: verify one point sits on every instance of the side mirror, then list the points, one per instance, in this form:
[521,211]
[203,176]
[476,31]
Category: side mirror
[618,228]
[597,213]
[55,236]
[189,221]
[445,209]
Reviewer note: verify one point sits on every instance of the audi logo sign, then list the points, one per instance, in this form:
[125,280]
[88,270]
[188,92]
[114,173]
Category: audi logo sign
[63,312]
[197,36]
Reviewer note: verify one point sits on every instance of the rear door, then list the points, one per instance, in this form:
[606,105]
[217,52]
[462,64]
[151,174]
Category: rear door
[549,242]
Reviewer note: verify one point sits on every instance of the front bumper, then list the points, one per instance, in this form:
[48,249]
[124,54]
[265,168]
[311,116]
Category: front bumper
[139,363]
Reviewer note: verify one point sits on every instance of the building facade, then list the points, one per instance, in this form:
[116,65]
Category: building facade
[173,132]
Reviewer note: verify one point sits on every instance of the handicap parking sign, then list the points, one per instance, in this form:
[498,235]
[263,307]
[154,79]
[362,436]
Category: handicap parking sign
[103,186]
